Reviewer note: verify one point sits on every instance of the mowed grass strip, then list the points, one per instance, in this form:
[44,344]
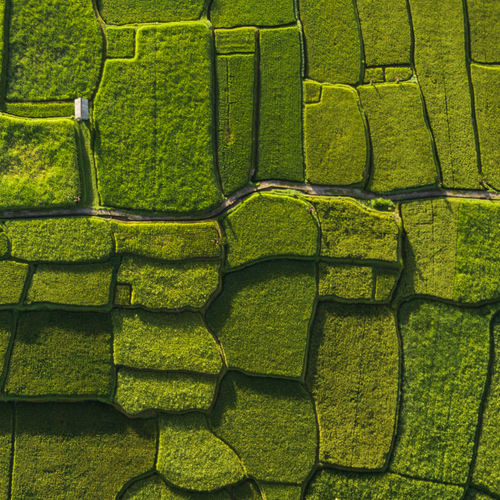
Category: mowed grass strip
[446,354]
[353,373]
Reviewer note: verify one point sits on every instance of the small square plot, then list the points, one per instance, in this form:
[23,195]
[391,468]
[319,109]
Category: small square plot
[123,294]
[120,42]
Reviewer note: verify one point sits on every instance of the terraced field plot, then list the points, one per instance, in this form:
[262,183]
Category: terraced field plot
[266,267]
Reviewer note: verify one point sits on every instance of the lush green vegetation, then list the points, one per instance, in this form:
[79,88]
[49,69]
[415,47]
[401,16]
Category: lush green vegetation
[281,491]
[4,244]
[159,155]
[335,137]
[247,491]
[484,30]
[238,40]
[332,41]
[146,11]
[431,228]
[154,487]
[12,278]
[486,473]
[386,32]
[278,442]
[78,450]
[231,13]
[169,285]
[262,317]
[402,155]
[280,88]
[486,80]
[446,353]
[77,285]
[345,281]
[164,341]
[191,456]
[71,239]
[139,391]
[168,241]
[40,109]
[396,74]
[6,423]
[38,164]
[235,132]
[350,231]
[266,226]
[64,354]
[353,376]
[120,42]
[334,485]
[6,330]
[55,50]
[444,80]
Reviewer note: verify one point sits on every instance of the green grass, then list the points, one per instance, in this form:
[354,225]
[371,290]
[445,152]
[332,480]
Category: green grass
[345,281]
[281,491]
[477,495]
[402,155]
[168,241]
[154,487]
[64,354]
[78,450]
[441,66]
[394,74]
[267,226]
[335,485]
[386,32]
[6,330]
[172,285]
[486,473]
[240,40]
[486,81]
[146,11]
[262,317]
[4,244]
[446,352]
[123,295]
[332,40]
[138,391]
[235,125]
[12,278]
[154,147]
[280,105]
[55,50]
[67,239]
[312,91]
[6,423]
[231,13]
[41,109]
[38,163]
[120,42]
[353,372]
[484,30]
[374,75]
[191,456]
[351,231]
[164,341]
[335,138]
[385,283]
[478,245]
[431,228]
[77,285]
[271,425]
[247,491]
